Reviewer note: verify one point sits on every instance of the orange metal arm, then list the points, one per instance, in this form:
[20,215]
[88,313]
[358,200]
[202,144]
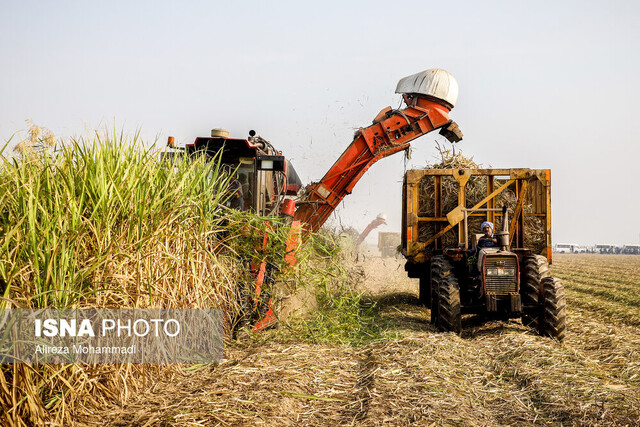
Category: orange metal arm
[372,225]
[391,132]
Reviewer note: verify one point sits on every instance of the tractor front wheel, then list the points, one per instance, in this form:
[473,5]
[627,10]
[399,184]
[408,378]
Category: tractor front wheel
[554,309]
[534,269]
[439,264]
[449,316]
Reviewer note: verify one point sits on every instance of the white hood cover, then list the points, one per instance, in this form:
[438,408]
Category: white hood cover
[435,82]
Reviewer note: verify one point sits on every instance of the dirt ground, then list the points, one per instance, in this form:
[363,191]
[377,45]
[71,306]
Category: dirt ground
[496,373]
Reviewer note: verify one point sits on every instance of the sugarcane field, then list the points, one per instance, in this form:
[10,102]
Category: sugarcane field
[221,214]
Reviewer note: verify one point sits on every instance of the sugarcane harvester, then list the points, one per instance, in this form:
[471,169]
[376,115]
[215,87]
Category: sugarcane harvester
[273,185]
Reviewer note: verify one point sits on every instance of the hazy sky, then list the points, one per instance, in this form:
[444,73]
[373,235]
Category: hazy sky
[542,85]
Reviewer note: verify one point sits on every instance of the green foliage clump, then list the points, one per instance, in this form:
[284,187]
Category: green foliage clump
[342,315]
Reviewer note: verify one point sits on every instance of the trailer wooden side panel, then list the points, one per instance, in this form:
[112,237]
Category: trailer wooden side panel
[443,208]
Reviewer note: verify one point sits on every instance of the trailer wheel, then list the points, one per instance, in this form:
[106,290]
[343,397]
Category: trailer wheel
[554,306]
[449,317]
[535,268]
[436,270]
[424,291]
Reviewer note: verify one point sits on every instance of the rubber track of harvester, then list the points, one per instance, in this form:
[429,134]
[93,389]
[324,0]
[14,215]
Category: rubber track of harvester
[438,265]
[554,323]
[449,317]
[535,268]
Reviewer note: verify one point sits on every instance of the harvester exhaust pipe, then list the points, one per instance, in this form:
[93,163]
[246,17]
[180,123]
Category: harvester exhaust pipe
[503,236]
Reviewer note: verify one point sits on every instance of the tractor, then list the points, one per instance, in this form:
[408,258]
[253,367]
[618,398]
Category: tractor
[456,276]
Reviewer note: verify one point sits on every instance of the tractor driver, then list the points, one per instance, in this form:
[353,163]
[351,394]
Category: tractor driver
[488,240]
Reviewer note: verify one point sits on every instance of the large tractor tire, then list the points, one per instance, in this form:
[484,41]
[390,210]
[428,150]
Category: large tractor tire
[436,271]
[449,315]
[424,295]
[535,268]
[554,309]
[445,295]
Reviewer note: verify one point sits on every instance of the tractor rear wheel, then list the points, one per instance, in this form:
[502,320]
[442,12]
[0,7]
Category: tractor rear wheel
[449,316]
[424,292]
[438,265]
[554,309]
[535,268]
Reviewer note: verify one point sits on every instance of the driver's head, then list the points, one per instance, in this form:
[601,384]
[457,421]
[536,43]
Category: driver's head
[487,228]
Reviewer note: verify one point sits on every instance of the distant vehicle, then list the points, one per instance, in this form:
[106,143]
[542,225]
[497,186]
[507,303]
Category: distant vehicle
[580,249]
[388,244]
[607,249]
[631,249]
[564,248]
